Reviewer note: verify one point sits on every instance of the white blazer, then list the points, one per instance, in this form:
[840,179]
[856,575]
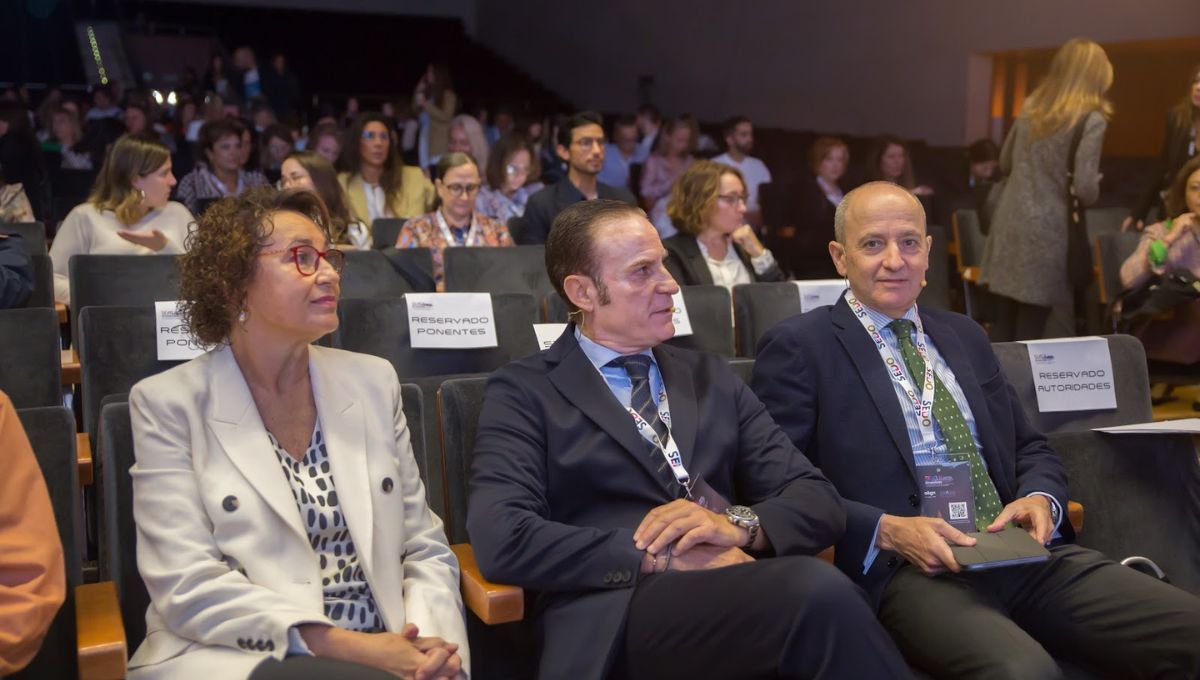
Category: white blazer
[221,544]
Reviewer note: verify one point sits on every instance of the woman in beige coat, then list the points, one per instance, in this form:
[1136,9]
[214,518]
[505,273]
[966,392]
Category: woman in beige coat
[1025,260]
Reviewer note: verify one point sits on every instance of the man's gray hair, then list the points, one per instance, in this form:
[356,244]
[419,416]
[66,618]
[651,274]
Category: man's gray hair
[839,215]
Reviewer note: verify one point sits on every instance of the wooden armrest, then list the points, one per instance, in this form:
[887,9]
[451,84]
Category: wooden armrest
[1075,515]
[83,458]
[826,554]
[71,372]
[100,632]
[970,274]
[492,603]
[62,312]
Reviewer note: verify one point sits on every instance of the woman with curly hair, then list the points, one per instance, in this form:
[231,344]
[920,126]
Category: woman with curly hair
[128,213]
[282,523]
[714,244]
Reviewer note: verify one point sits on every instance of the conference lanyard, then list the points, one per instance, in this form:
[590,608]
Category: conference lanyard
[669,449]
[473,238]
[922,403]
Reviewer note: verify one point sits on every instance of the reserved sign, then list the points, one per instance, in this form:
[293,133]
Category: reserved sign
[174,337]
[819,293]
[683,324]
[548,333]
[1072,374]
[451,320]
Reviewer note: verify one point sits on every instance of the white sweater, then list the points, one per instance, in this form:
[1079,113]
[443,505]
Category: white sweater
[88,231]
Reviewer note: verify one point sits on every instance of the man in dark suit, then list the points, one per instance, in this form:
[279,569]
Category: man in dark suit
[580,143]
[850,386]
[599,476]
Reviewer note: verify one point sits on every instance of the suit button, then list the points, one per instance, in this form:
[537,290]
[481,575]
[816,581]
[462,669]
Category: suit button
[387,484]
[242,643]
[608,577]
[230,503]
[914,500]
[626,575]
[892,562]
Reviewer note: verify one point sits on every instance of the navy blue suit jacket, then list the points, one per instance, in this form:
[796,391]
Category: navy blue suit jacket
[821,378]
[560,479]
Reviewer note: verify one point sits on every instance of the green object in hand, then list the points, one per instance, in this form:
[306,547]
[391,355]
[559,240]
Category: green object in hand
[1158,249]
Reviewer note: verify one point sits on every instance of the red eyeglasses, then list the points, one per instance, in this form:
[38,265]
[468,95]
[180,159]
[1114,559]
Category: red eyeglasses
[308,258]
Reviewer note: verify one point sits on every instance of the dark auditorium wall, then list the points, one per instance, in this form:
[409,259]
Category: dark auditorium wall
[858,67]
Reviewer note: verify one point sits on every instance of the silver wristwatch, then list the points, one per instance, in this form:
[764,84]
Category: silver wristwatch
[744,517]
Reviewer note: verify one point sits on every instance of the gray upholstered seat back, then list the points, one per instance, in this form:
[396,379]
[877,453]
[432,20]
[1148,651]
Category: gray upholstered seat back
[30,364]
[108,280]
[518,269]
[459,403]
[757,307]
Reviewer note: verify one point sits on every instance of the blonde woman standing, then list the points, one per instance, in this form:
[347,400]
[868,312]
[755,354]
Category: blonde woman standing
[128,213]
[1025,260]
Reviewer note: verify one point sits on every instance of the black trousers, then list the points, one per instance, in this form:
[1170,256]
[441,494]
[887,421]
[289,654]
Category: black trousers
[1008,623]
[784,617]
[1015,320]
[316,668]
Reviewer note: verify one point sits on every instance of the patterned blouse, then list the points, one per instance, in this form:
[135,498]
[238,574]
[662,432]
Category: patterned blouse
[426,232]
[349,602]
[201,183]
[494,204]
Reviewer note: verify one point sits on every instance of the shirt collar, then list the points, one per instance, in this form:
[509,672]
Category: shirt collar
[600,355]
[880,319]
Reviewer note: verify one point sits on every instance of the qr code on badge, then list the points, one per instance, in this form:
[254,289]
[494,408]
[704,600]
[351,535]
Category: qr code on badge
[958,510]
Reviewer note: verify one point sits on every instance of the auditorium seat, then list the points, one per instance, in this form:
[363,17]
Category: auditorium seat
[744,368]
[1110,251]
[1129,379]
[385,231]
[517,269]
[415,266]
[370,274]
[759,306]
[936,294]
[108,280]
[85,639]
[967,248]
[33,235]
[709,311]
[43,282]
[30,358]
[1142,494]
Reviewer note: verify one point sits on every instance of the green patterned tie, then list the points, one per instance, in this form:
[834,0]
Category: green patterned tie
[949,417]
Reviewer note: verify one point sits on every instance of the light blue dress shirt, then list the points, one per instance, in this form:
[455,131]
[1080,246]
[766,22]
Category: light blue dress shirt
[615,376]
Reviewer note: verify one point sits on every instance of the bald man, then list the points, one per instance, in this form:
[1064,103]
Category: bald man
[850,384]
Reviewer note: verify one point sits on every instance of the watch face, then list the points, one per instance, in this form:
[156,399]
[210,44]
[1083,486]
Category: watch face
[742,512]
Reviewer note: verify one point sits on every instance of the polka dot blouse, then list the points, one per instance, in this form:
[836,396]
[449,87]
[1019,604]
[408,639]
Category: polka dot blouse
[348,599]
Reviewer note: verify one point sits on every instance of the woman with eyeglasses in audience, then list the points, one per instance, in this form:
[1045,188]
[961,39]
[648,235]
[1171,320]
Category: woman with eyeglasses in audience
[714,244]
[282,525]
[671,157]
[510,168]
[376,181]
[220,174]
[128,213]
[311,171]
[454,222]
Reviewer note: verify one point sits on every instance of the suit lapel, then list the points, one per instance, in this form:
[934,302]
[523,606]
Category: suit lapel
[582,385]
[344,429]
[865,356]
[240,430]
[358,200]
[681,395]
[693,261]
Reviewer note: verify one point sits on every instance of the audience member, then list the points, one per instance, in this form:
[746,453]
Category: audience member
[876,448]
[326,139]
[739,142]
[454,222]
[581,144]
[889,160]
[16,271]
[33,581]
[219,79]
[140,118]
[466,136]
[803,248]
[128,213]
[510,167]
[671,157]
[248,151]
[248,79]
[21,156]
[376,181]
[241,588]
[276,144]
[261,117]
[187,113]
[44,117]
[435,100]
[214,110]
[281,87]
[67,141]
[1025,258]
[649,122]
[104,104]
[310,170]
[14,204]
[714,244]
[220,174]
[1171,248]
[581,492]
[1179,144]
[621,152]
